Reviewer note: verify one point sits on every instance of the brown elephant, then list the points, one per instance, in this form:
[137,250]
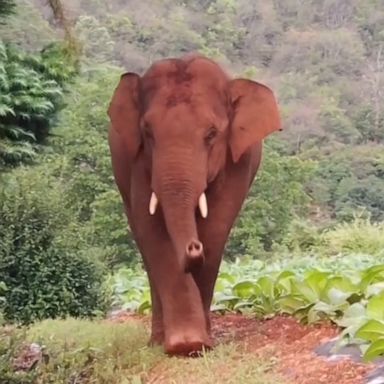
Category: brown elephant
[186,143]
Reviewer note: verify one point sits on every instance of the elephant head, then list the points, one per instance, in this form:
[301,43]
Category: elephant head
[188,118]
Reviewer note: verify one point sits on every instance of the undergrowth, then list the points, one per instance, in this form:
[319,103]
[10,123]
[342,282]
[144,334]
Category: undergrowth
[85,352]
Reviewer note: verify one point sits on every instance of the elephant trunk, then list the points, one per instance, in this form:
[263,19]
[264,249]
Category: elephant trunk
[178,191]
[181,225]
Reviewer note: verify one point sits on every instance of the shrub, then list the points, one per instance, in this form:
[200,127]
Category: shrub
[31,92]
[42,261]
[359,236]
[76,351]
[276,196]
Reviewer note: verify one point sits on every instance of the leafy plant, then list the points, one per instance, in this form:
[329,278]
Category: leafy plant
[31,93]
[6,9]
[349,294]
[47,271]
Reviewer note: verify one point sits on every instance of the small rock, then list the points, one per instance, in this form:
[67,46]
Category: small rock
[28,358]
[376,380]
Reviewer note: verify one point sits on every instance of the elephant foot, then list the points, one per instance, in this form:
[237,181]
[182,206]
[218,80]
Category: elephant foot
[187,344]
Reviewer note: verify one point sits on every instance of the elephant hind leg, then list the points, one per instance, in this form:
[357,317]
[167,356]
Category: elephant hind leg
[157,328]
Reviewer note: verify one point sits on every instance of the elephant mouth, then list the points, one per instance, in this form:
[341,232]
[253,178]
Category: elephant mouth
[202,204]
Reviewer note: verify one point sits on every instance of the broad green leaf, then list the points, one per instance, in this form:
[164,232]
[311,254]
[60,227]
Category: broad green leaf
[284,279]
[354,315]
[302,313]
[372,330]
[291,304]
[144,307]
[337,297]
[226,276]
[265,285]
[375,350]
[320,311]
[375,289]
[242,304]
[372,275]
[375,307]
[341,283]
[355,310]
[244,289]
[317,280]
[301,288]
[218,307]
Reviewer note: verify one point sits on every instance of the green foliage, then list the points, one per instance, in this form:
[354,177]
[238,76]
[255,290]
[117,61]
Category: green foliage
[31,94]
[46,270]
[76,351]
[346,291]
[31,36]
[359,236]
[82,159]
[352,181]
[6,9]
[95,39]
[276,195]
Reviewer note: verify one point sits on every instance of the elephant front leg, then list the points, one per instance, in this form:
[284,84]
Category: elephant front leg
[224,204]
[184,318]
[157,328]
[178,319]
[205,279]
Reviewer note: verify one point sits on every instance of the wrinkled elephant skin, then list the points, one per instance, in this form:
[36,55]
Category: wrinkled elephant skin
[186,143]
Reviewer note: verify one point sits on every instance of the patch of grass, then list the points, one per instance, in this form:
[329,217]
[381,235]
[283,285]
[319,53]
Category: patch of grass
[227,363]
[100,352]
[83,351]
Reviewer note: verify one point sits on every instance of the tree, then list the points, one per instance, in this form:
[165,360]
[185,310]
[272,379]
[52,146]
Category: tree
[30,95]
[276,196]
[374,81]
[7,7]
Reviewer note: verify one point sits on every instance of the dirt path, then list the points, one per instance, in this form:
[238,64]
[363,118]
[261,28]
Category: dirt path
[282,340]
[293,345]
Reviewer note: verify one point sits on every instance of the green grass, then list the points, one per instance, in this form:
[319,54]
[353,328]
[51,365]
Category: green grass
[228,363]
[85,352]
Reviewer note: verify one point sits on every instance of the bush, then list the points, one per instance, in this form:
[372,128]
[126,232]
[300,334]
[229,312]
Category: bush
[31,93]
[42,259]
[359,236]
[275,197]
[76,351]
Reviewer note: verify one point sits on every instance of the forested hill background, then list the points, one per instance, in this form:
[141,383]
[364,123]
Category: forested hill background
[324,59]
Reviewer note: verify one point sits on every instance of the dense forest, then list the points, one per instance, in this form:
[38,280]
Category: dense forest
[59,64]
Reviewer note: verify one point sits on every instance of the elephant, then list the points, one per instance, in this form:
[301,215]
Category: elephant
[186,142]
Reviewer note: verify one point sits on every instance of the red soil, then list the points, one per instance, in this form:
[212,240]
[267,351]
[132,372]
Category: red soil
[289,342]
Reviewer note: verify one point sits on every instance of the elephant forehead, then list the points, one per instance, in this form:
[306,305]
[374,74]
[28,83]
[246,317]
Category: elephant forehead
[170,94]
[200,108]
[174,82]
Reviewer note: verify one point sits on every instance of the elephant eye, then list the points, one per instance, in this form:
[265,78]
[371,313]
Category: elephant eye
[212,133]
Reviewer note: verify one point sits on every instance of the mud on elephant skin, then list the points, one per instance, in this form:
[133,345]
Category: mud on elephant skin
[186,143]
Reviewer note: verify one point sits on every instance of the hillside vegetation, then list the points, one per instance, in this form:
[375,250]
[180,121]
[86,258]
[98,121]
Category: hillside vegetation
[319,192]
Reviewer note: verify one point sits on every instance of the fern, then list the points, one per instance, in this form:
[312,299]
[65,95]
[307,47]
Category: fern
[15,153]
[31,92]
[18,133]
[6,110]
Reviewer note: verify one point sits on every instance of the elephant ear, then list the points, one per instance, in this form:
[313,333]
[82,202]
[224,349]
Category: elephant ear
[255,115]
[124,112]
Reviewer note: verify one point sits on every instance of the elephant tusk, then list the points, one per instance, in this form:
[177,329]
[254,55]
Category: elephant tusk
[153,204]
[203,205]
